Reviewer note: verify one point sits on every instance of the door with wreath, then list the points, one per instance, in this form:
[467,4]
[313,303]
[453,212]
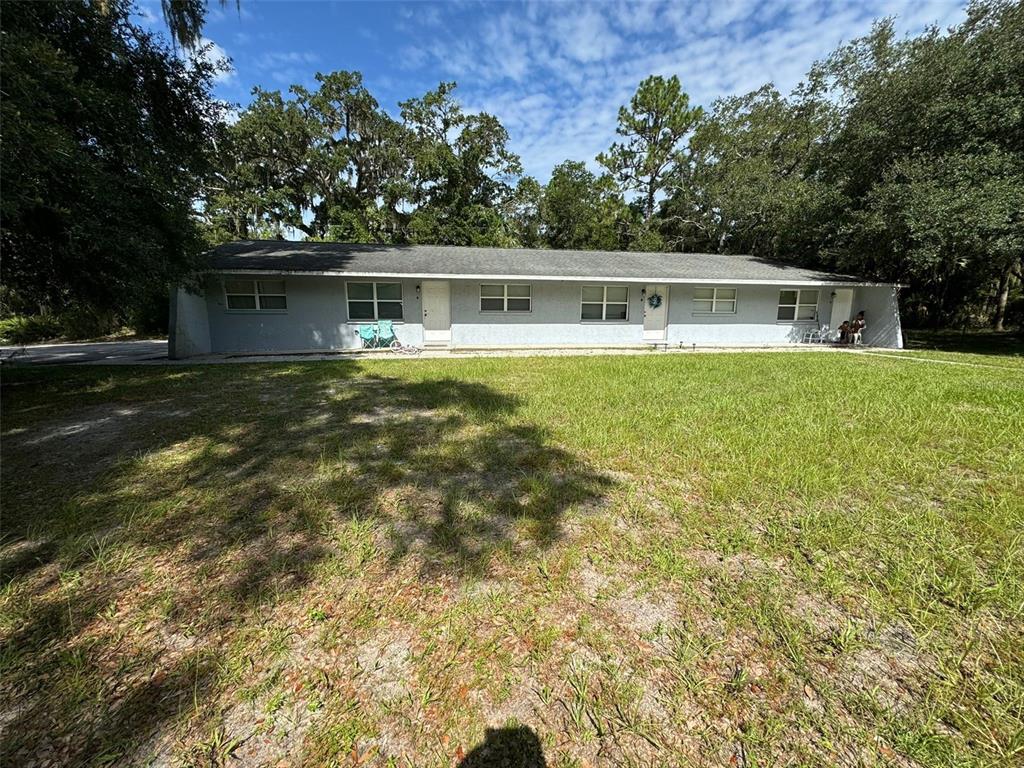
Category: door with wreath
[655,312]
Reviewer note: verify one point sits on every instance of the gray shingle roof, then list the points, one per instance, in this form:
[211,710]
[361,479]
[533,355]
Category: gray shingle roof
[430,260]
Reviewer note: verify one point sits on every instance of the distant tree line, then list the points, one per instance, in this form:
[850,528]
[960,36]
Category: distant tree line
[897,159]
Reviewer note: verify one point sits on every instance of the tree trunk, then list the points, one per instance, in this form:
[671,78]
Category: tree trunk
[1001,298]
[939,307]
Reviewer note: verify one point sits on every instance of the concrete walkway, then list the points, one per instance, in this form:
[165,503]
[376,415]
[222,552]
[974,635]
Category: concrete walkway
[463,353]
[154,352]
[909,355]
[442,354]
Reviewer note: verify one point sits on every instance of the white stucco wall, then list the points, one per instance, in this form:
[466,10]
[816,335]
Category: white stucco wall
[189,332]
[882,316]
[754,322]
[316,318]
[554,319]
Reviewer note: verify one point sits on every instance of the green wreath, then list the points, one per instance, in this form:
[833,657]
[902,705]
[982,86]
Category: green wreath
[654,300]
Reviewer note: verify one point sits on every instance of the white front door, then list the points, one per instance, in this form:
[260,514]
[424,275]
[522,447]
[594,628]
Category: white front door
[437,312]
[655,318]
[842,307]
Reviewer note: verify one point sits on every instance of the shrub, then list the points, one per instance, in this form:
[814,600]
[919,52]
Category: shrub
[85,323]
[79,323]
[28,329]
[149,314]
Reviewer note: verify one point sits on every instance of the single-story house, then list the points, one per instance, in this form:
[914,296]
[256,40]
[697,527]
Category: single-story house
[277,296]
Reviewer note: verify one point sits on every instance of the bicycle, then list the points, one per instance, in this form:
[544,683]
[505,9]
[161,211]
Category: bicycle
[403,349]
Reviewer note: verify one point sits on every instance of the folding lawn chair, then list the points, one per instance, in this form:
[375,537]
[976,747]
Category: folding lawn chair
[385,333]
[387,338]
[368,334]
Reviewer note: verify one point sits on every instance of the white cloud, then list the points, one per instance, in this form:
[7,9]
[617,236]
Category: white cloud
[509,42]
[555,74]
[722,13]
[631,17]
[585,36]
[270,60]
[286,68]
[148,15]
[213,54]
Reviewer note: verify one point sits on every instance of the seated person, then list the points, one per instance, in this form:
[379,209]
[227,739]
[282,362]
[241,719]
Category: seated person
[844,332]
[858,327]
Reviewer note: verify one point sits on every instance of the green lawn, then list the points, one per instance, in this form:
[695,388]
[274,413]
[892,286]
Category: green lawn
[981,347]
[743,559]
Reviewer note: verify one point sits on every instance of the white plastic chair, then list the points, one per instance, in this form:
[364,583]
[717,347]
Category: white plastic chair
[817,336]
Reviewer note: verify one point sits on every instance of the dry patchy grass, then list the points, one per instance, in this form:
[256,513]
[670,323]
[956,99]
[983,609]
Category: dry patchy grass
[707,560]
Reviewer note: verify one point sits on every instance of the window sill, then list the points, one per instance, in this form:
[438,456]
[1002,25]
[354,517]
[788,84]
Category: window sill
[712,314]
[505,312]
[605,322]
[370,322]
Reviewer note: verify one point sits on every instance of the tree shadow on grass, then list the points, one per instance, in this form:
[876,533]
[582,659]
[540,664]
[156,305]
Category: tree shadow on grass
[229,496]
[1002,343]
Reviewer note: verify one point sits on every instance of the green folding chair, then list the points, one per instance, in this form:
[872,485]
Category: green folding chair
[368,334]
[385,333]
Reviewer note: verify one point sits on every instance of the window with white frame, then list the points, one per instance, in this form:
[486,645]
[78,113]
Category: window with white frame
[714,301]
[266,295]
[505,298]
[796,305]
[604,302]
[374,301]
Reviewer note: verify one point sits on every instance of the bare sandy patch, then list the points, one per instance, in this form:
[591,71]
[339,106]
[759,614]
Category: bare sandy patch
[646,615]
[386,667]
[892,668]
[382,414]
[592,582]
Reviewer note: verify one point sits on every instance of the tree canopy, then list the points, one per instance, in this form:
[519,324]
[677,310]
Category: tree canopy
[927,158]
[896,159]
[184,18]
[333,164]
[106,144]
[582,211]
[659,116]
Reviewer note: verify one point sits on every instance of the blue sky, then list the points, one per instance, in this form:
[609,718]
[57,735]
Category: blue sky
[554,73]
